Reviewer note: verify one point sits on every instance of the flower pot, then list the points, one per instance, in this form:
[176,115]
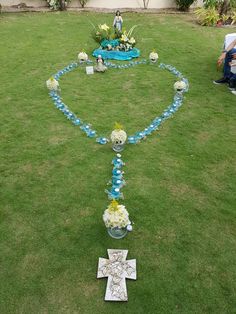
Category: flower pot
[117,233]
[118,147]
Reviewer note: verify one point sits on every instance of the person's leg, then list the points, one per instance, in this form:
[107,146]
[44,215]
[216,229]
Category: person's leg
[228,59]
[232,84]
[226,69]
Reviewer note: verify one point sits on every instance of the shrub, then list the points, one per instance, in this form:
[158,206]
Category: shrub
[184,5]
[208,16]
[57,4]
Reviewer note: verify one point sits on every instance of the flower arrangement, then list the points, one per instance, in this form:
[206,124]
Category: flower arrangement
[116,216]
[180,86]
[52,84]
[118,135]
[113,40]
[153,56]
[102,32]
[82,56]
[126,41]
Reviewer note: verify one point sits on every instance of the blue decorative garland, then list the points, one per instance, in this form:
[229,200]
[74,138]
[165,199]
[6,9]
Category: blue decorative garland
[140,135]
[117,180]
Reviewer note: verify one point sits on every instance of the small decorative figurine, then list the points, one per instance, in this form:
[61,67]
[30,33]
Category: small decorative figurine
[118,21]
[100,67]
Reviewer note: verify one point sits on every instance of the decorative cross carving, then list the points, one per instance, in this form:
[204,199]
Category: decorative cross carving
[116,268]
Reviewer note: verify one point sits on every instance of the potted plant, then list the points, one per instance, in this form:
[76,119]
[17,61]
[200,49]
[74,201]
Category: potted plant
[118,138]
[116,219]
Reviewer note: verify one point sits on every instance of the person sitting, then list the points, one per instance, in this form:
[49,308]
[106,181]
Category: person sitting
[228,56]
[118,21]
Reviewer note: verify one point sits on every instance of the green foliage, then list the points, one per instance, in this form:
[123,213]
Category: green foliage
[207,17]
[184,5]
[57,4]
[223,6]
[99,33]
[233,17]
[181,181]
[233,4]
[212,3]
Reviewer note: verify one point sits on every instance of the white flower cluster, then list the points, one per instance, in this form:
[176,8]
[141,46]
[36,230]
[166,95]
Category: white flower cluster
[82,56]
[118,136]
[116,218]
[126,42]
[180,85]
[153,56]
[52,84]
[53,4]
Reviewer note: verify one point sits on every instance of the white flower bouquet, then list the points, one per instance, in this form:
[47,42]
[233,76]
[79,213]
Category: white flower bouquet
[180,86]
[111,39]
[52,84]
[116,216]
[153,57]
[118,136]
[82,56]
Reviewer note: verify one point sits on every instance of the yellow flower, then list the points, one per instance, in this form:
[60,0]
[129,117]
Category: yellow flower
[124,37]
[132,41]
[104,27]
[113,206]
[118,126]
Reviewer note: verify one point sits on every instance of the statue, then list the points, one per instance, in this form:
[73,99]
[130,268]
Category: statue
[118,21]
[100,67]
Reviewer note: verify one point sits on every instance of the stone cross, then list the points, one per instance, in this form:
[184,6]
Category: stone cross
[116,268]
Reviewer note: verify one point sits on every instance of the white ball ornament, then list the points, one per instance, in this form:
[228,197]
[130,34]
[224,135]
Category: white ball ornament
[129,228]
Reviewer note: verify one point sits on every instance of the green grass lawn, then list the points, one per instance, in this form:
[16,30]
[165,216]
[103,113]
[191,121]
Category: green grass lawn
[180,189]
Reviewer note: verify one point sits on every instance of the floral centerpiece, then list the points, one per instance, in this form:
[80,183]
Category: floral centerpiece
[115,40]
[82,56]
[153,56]
[52,84]
[116,219]
[180,86]
[118,138]
[114,44]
